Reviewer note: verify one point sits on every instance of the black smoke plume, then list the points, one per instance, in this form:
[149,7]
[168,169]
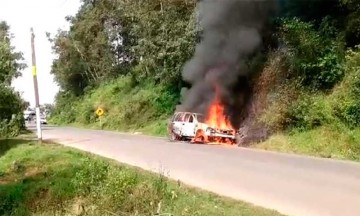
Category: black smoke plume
[231,34]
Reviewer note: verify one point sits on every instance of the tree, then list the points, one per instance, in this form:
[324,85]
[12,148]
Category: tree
[352,27]
[148,40]
[10,100]
[26,105]
[10,64]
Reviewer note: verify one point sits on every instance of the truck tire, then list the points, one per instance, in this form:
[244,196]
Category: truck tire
[172,137]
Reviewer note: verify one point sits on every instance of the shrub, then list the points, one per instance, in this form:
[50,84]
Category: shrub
[295,107]
[13,127]
[120,188]
[310,111]
[11,118]
[346,96]
[64,111]
[291,106]
[128,107]
[315,58]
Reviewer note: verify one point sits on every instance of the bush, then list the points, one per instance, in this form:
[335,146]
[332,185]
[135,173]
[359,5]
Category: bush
[293,106]
[346,96]
[315,63]
[120,188]
[143,106]
[13,127]
[10,102]
[309,112]
[313,56]
[11,119]
[64,111]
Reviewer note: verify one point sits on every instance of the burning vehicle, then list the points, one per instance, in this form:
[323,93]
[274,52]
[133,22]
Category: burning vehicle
[195,128]
[220,72]
[214,128]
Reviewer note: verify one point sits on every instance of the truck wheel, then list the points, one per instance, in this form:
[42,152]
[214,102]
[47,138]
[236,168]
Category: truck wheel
[200,137]
[172,137]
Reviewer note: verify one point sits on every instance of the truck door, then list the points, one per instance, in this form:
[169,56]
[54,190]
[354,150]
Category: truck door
[176,123]
[188,126]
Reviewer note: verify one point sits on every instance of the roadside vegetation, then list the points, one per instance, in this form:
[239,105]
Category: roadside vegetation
[11,104]
[325,141]
[52,180]
[127,58]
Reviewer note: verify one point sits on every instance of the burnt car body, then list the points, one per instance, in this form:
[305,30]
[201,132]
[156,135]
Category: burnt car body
[189,126]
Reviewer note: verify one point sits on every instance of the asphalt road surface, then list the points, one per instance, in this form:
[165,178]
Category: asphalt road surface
[293,185]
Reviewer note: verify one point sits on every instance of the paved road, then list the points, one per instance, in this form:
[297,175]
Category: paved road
[293,185]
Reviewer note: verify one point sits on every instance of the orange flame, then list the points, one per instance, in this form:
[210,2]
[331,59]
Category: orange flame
[216,118]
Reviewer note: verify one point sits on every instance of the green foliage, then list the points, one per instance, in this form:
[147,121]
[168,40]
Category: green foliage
[312,10]
[146,39]
[10,101]
[314,58]
[345,14]
[117,184]
[165,32]
[64,112]
[309,112]
[347,95]
[54,180]
[13,127]
[9,62]
[128,108]
[320,83]
[332,141]
[293,106]
[352,27]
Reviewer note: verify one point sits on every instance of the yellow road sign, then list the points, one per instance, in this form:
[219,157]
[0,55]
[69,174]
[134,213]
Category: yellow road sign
[99,112]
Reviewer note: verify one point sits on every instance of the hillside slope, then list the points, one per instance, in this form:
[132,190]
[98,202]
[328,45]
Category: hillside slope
[143,108]
[129,59]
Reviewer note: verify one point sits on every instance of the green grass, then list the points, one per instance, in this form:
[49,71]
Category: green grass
[327,141]
[50,179]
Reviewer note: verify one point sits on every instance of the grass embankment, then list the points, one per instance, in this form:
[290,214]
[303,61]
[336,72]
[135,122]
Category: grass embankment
[318,123]
[326,142]
[53,180]
[141,108]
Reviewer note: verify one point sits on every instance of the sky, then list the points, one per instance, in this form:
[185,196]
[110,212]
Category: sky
[44,16]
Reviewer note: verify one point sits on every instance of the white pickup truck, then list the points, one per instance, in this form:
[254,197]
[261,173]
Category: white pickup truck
[192,127]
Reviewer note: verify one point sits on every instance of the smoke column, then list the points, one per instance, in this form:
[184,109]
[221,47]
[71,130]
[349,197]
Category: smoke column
[231,33]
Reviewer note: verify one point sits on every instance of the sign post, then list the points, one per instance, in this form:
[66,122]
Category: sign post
[100,112]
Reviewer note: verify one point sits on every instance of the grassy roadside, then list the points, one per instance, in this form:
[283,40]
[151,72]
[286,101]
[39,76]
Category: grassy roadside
[326,142]
[53,180]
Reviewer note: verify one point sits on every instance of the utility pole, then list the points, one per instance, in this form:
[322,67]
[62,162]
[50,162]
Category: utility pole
[36,88]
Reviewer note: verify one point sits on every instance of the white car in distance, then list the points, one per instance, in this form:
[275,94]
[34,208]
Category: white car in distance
[43,119]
